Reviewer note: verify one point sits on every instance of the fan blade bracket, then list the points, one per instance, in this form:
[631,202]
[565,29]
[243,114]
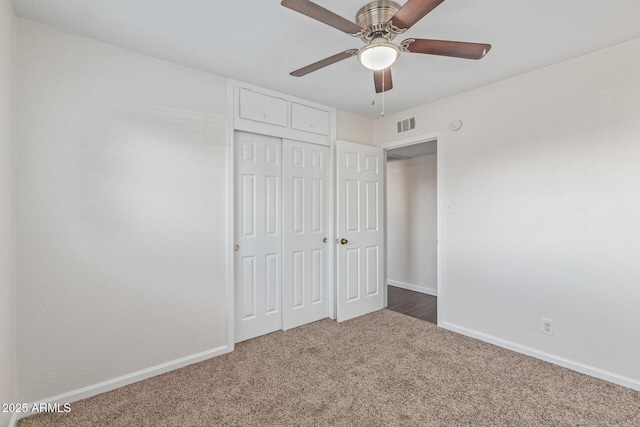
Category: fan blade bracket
[395,30]
[404,45]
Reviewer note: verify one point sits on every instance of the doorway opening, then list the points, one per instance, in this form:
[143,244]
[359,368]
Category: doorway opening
[412,229]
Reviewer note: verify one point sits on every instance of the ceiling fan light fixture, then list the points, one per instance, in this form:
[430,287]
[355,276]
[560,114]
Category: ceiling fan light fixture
[378,55]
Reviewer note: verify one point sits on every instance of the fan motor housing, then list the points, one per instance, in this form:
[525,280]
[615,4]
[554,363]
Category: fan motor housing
[373,17]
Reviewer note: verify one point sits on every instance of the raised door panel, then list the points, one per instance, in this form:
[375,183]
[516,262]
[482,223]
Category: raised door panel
[248,287]
[352,276]
[372,270]
[317,276]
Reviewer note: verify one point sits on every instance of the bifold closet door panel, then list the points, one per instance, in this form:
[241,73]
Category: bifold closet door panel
[258,235]
[306,214]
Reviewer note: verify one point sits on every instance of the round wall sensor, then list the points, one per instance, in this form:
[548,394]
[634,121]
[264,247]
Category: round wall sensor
[455,125]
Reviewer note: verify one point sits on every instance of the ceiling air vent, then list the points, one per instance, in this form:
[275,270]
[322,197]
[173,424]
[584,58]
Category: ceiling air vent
[406,125]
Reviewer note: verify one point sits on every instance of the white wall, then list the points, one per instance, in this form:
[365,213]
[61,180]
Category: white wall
[412,223]
[354,128]
[7,213]
[122,211]
[544,177]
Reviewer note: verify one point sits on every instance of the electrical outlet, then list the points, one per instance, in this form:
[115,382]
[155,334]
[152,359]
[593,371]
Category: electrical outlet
[547,326]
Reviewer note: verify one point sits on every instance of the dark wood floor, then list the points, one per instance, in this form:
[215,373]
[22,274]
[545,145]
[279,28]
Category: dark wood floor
[414,304]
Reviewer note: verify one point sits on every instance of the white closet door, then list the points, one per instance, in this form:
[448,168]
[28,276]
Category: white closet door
[360,226]
[306,213]
[258,223]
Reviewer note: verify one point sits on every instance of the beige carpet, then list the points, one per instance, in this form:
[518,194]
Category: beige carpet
[381,369]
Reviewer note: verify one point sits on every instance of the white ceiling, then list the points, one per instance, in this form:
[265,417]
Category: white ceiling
[260,42]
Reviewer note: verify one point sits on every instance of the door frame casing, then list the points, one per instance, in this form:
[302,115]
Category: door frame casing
[230,223]
[438,137]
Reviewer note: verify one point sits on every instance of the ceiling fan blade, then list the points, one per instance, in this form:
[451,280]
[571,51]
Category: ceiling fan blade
[321,14]
[447,48]
[413,11]
[382,80]
[324,62]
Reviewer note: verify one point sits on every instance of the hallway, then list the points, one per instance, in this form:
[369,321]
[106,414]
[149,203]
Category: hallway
[414,304]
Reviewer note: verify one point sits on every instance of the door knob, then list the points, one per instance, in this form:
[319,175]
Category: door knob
[343,241]
[324,240]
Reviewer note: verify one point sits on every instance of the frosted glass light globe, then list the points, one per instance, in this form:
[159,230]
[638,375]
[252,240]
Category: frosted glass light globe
[378,55]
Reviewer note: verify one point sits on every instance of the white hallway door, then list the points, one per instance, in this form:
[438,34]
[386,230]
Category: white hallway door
[306,214]
[258,235]
[360,229]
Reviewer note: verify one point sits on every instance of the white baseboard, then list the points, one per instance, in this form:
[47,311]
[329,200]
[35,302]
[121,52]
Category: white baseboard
[13,420]
[556,360]
[112,384]
[416,288]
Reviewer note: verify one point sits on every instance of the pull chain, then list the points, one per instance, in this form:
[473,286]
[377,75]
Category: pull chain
[382,113]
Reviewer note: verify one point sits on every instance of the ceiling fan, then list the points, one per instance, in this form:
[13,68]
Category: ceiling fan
[377,24]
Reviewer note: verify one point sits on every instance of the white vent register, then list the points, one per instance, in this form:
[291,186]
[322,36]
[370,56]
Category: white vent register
[406,125]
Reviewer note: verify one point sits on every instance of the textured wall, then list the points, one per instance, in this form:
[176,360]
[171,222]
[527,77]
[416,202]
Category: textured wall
[122,186]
